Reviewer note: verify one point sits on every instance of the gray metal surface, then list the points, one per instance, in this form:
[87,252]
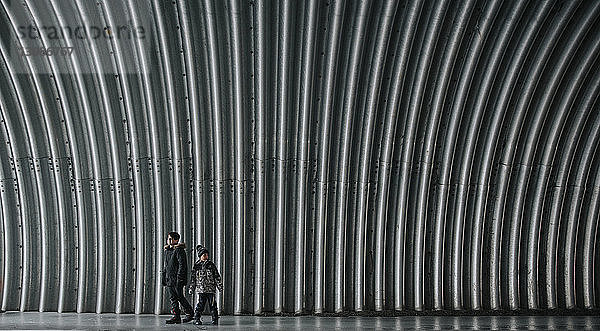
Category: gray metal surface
[333,155]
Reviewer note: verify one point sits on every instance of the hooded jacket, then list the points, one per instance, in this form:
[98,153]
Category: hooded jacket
[175,266]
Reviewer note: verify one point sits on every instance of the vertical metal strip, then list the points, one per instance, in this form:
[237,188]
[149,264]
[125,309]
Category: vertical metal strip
[260,103]
[172,111]
[283,109]
[366,147]
[45,223]
[573,218]
[135,155]
[427,50]
[217,138]
[59,198]
[558,118]
[507,157]
[28,289]
[466,76]
[239,205]
[326,110]
[478,113]
[100,304]
[100,238]
[428,151]
[589,242]
[8,231]
[405,46]
[350,88]
[588,101]
[157,222]
[111,120]
[62,210]
[80,227]
[140,234]
[531,144]
[501,103]
[21,205]
[21,200]
[305,107]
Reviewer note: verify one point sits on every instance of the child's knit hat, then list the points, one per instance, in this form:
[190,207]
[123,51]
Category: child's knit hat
[201,250]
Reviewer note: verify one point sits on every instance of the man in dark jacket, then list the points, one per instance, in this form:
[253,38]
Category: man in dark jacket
[174,277]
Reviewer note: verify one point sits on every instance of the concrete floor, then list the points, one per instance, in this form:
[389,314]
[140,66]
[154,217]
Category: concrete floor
[70,321]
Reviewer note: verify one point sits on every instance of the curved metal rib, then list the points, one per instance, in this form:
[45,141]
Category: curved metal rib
[400,221]
[283,107]
[344,152]
[305,107]
[239,154]
[508,153]
[217,141]
[485,83]
[501,103]
[376,72]
[415,104]
[572,86]
[260,95]
[326,109]
[428,150]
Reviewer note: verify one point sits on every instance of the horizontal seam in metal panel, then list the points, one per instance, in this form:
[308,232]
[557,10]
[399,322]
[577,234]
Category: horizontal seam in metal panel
[30,158]
[104,179]
[578,186]
[525,164]
[223,180]
[283,160]
[161,158]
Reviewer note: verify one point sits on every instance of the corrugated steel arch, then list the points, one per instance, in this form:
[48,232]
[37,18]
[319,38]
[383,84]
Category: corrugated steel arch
[333,155]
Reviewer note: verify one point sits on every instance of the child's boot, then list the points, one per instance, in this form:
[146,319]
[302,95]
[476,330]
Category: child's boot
[176,319]
[188,318]
[198,315]
[214,311]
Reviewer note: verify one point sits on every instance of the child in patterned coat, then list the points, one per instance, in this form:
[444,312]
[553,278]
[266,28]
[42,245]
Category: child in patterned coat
[205,281]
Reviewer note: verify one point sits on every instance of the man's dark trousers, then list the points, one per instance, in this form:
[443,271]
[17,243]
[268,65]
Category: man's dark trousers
[203,299]
[177,296]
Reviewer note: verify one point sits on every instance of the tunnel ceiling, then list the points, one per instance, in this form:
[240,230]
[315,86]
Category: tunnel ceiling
[333,156]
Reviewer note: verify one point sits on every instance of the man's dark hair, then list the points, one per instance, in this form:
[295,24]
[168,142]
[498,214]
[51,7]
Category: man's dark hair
[174,235]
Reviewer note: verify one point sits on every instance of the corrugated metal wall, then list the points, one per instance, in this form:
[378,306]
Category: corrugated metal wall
[333,155]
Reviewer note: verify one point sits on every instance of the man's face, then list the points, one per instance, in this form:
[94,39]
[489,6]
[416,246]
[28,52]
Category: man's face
[204,257]
[171,241]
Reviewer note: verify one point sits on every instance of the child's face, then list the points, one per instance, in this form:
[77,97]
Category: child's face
[204,257]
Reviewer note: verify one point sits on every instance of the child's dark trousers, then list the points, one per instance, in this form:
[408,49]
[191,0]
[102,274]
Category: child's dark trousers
[204,299]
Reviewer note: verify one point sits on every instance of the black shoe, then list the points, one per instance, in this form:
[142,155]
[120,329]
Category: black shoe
[174,320]
[187,318]
[198,322]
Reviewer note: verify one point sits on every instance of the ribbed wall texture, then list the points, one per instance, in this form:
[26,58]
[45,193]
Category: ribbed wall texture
[333,155]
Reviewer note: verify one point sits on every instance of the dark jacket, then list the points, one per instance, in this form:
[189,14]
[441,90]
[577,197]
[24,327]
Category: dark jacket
[206,277]
[175,266]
